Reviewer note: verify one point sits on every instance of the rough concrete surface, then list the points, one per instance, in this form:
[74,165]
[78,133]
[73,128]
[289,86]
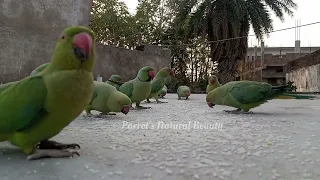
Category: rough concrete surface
[279,141]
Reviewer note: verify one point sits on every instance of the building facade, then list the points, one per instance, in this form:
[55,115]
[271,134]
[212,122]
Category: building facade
[267,64]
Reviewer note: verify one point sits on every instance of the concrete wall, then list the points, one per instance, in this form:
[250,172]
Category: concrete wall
[305,72]
[127,63]
[307,79]
[29,30]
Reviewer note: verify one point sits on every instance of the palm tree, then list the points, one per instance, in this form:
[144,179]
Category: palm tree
[223,19]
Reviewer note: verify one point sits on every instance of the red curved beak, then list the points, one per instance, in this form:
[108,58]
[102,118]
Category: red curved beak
[212,81]
[125,109]
[151,74]
[210,104]
[83,45]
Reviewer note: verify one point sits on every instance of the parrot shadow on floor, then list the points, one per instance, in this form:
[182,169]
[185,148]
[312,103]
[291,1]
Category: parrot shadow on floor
[11,151]
[97,117]
[260,114]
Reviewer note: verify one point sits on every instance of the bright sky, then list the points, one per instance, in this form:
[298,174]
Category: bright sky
[308,11]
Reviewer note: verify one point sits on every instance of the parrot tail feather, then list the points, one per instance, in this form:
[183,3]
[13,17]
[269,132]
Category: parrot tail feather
[294,96]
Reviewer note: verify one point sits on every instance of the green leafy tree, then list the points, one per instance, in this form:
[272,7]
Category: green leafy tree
[225,19]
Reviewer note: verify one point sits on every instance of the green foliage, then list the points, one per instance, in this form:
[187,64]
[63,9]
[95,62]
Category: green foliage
[194,22]
[292,88]
[224,19]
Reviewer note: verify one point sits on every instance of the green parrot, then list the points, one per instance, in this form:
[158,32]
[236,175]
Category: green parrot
[106,99]
[163,92]
[158,83]
[213,83]
[139,89]
[246,95]
[39,69]
[183,91]
[39,107]
[115,80]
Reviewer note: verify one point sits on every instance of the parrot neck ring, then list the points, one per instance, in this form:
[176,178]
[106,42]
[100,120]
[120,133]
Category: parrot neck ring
[148,80]
[114,81]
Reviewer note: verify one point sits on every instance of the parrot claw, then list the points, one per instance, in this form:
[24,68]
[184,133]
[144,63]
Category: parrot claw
[238,111]
[46,144]
[111,114]
[161,102]
[142,107]
[51,153]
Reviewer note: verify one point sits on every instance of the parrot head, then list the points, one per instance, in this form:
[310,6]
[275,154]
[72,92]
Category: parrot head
[213,79]
[125,109]
[75,49]
[187,92]
[165,72]
[119,102]
[211,98]
[115,78]
[146,74]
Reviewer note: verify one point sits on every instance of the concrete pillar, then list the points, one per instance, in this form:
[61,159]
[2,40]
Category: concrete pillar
[297,47]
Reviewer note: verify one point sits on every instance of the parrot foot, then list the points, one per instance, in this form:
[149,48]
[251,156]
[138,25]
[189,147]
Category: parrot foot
[238,111]
[249,112]
[46,144]
[148,101]
[89,115]
[142,107]
[51,153]
[161,102]
[111,114]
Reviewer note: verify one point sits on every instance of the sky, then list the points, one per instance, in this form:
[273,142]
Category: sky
[307,11]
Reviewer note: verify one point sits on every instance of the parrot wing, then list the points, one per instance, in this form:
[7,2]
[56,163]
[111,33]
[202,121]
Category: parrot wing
[127,88]
[6,86]
[39,69]
[22,105]
[94,95]
[156,86]
[248,92]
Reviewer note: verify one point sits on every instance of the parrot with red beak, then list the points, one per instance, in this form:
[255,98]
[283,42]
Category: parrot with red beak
[183,91]
[158,83]
[40,106]
[139,88]
[246,95]
[106,98]
[213,83]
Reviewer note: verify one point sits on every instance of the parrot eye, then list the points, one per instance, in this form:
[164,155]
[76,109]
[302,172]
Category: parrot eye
[62,37]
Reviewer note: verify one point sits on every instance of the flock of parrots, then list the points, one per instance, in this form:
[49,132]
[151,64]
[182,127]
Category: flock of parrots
[38,107]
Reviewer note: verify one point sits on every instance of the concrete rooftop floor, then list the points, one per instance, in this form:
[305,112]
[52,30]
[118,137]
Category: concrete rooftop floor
[279,141]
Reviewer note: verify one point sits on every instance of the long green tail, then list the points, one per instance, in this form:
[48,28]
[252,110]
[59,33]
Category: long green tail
[295,96]
[276,91]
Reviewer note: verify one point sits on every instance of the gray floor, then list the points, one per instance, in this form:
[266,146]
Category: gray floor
[279,141]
